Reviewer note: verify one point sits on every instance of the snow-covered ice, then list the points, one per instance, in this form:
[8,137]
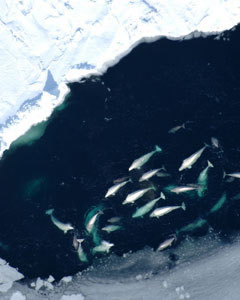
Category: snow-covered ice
[67,279]
[18,296]
[206,268]
[7,276]
[72,297]
[45,44]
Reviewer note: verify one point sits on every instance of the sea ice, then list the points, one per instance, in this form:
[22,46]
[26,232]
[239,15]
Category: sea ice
[45,44]
[206,269]
[72,297]
[7,276]
[18,296]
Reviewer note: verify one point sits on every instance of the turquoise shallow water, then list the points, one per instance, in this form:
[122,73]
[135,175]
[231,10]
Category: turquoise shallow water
[106,124]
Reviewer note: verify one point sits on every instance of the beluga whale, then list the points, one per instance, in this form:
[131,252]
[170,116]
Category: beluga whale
[111,228]
[131,198]
[203,179]
[81,255]
[143,210]
[65,227]
[149,174]
[114,189]
[139,162]
[103,247]
[91,223]
[159,212]
[188,162]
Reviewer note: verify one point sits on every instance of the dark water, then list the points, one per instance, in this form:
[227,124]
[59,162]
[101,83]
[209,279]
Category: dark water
[109,122]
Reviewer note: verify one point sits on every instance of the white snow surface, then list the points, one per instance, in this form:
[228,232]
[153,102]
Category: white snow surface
[7,276]
[206,268]
[18,296]
[45,44]
[72,297]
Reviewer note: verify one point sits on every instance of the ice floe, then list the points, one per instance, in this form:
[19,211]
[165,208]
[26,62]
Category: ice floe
[7,276]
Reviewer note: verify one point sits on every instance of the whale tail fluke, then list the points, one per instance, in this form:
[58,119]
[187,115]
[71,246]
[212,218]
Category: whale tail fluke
[162,196]
[183,206]
[49,211]
[158,149]
[210,165]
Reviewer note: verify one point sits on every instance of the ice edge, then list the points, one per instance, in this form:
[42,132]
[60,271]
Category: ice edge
[30,115]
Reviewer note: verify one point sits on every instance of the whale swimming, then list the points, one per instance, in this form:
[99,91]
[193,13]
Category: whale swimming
[65,227]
